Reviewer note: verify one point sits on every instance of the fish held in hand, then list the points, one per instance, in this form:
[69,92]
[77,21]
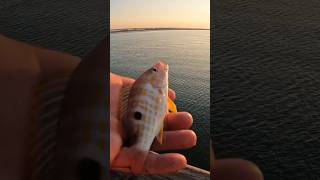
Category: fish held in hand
[143,110]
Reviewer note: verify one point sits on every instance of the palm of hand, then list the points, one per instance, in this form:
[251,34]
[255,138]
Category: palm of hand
[176,136]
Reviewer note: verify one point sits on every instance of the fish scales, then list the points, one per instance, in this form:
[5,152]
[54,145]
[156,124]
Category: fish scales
[143,110]
[148,99]
[151,102]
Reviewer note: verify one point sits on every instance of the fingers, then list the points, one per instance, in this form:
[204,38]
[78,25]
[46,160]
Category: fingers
[171,94]
[173,140]
[116,141]
[240,169]
[127,81]
[164,163]
[177,121]
[124,158]
[153,163]
[175,137]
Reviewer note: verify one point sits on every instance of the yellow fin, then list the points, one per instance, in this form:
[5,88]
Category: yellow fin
[159,136]
[172,108]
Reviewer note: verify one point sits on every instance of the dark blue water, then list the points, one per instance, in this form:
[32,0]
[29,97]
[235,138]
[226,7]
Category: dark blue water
[187,53]
[265,85]
[74,27]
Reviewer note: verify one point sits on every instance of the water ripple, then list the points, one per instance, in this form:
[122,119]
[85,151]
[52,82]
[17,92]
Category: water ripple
[266,85]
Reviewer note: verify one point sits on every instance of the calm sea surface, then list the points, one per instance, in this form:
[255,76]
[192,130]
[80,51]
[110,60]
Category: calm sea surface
[187,53]
[266,85]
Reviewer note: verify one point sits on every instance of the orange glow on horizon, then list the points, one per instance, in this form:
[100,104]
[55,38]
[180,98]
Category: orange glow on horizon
[160,14]
[160,25]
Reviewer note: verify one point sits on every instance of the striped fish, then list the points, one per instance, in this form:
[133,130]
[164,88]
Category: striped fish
[81,152]
[145,107]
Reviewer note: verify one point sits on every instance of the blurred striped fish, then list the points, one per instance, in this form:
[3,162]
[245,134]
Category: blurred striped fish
[144,107]
[81,132]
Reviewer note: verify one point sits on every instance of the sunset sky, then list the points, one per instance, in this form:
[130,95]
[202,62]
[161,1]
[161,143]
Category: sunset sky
[160,13]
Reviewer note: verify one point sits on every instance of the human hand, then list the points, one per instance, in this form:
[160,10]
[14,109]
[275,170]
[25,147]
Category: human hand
[176,136]
[23,69]
[233,169]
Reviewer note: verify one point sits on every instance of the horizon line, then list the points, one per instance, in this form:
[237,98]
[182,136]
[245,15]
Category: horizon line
[153,29]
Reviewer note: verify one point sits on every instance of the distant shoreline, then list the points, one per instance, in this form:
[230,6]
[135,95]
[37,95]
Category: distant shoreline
[152,29]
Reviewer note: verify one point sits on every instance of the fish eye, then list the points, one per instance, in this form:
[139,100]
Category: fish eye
[154,69]
[137,115]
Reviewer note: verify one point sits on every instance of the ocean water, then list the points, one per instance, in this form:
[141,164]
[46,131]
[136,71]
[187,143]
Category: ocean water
[187,53]
[66,26]
[266,85]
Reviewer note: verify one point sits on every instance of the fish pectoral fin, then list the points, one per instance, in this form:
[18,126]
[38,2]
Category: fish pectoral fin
[160,135]
[172,108]
[124,97]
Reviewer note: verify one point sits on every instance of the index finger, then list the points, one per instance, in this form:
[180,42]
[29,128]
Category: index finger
[164,163]
[154,163]
[127,81]
[171,94]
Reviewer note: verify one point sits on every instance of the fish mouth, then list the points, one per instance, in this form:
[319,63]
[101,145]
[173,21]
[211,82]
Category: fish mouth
[161,65]
[166,67]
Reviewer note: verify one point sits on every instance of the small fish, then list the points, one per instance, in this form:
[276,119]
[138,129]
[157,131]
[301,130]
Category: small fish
[81,151]
[144,109]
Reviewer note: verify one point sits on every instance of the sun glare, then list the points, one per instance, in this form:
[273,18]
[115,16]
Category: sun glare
[160,14]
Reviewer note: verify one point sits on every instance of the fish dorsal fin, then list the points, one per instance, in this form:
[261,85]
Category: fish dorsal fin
[160,135]
[124,97]
[172,108]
